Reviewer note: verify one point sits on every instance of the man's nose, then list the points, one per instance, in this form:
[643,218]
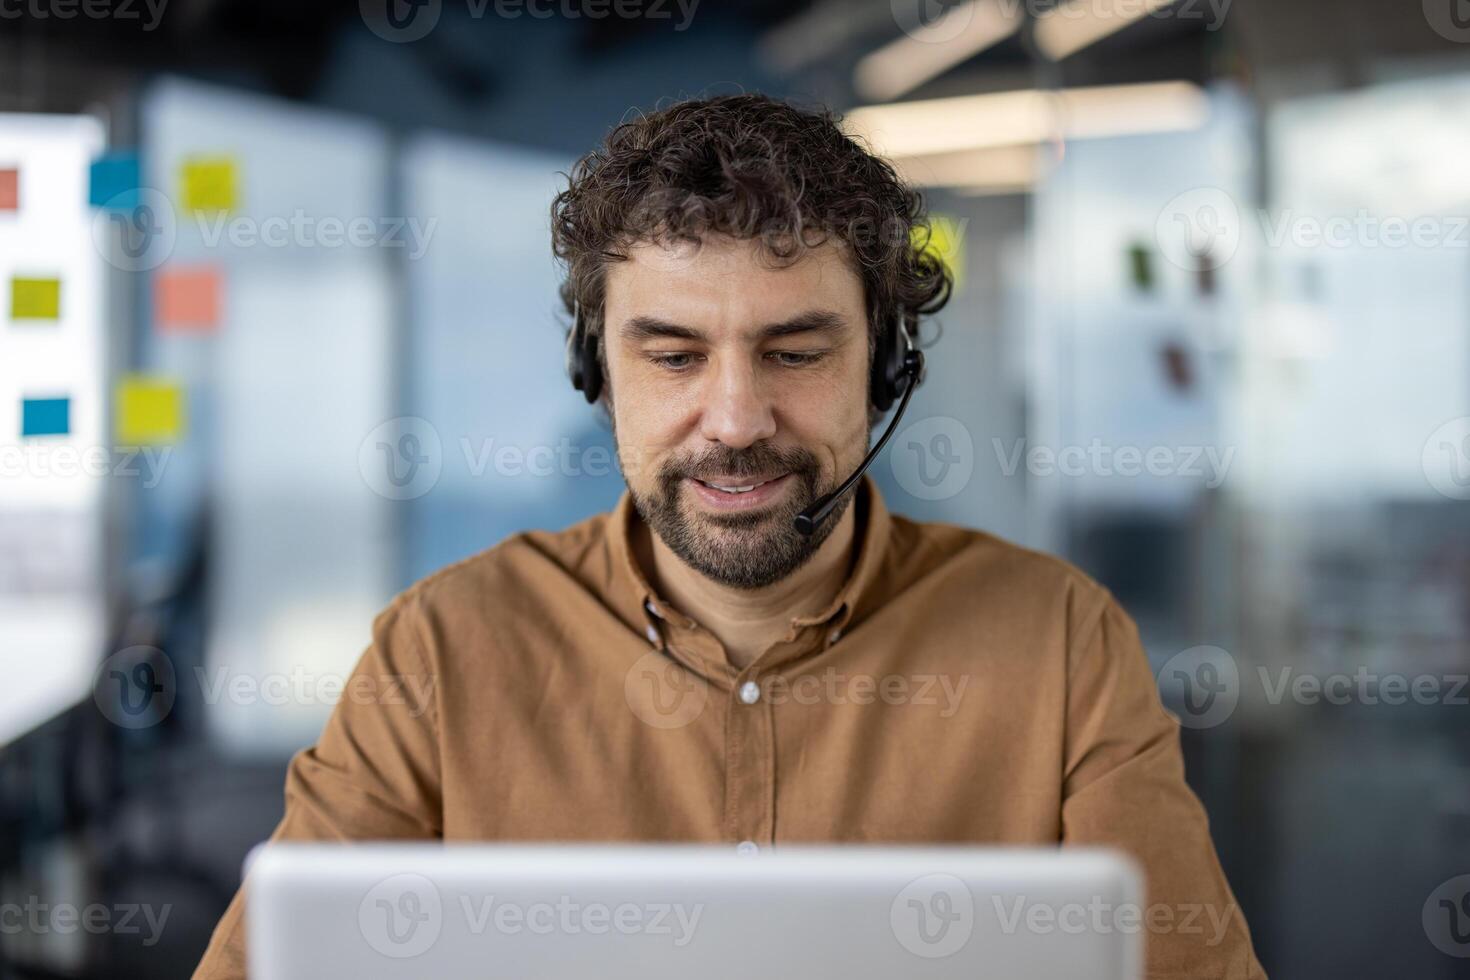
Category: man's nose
[737,406]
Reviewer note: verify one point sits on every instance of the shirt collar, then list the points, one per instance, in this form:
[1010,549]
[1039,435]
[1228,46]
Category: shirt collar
[638,601]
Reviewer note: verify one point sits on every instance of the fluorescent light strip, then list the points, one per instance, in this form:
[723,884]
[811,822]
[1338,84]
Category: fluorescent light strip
[994,170]
[1069,27]
[928,51]
[969,122]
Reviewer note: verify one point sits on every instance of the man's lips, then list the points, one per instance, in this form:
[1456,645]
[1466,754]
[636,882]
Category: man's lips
[762,490]
[737,482]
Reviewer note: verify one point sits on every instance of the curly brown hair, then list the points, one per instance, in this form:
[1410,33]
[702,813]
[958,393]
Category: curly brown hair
[748,166]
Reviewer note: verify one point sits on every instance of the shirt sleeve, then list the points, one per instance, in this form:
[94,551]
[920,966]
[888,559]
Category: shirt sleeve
[1124,787]
[373,774]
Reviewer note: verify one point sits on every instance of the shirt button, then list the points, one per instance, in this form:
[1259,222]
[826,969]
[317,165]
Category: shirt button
[651,610]
[750,693]
[747,848]
[652,634]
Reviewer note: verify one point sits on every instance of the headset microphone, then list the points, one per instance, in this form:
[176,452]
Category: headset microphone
[911,374]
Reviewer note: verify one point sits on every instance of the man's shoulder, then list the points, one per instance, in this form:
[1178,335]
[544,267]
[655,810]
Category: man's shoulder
[521,570]
[985,569]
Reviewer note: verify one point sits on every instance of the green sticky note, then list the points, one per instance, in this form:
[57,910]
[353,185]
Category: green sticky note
[1141,267]
[35,299]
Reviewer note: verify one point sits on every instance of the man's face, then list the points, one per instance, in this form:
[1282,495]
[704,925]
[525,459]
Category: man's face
[729,372]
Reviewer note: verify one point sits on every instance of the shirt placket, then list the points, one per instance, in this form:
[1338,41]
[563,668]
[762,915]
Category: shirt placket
[750,764]
[749,819]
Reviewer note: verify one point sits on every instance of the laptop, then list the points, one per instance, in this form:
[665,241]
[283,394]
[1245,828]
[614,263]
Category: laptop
[661,912]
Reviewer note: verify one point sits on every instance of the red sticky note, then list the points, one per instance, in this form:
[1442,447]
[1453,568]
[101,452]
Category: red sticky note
[9,189]
[187,298]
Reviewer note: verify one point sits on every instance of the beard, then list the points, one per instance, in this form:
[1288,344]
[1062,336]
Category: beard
[745,550]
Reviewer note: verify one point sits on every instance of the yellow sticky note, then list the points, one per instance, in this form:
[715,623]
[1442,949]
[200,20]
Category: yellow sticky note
[947,242]
[35,299]
[210,183]
[149,411]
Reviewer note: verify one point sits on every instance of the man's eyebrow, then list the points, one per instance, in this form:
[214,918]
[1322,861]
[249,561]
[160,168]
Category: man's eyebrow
[813,321]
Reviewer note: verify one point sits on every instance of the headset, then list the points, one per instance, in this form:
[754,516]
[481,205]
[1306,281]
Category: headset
[898,369]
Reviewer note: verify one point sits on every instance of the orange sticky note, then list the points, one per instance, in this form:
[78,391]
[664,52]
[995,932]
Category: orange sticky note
[187,298]
[9,189]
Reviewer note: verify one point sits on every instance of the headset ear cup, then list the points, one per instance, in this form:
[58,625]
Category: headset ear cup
[591,369]
[583,367]
[890,377]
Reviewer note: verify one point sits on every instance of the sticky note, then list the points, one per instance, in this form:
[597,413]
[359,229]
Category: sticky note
[1141,267]
[187,298]
[35,299]
[9,189]
[114,180]
[45,416]
[149,411]
[209,183]
[946,242]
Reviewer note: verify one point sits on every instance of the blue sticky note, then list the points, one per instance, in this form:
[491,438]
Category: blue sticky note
[114,183]
[45,416]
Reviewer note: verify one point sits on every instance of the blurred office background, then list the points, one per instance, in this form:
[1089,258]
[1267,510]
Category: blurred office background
[279,337]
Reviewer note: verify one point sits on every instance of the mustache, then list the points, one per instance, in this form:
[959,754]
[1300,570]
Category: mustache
[754,461]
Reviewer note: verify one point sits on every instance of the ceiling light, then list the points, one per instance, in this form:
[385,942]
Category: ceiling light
[970,122]
[1076,24]
[928,51]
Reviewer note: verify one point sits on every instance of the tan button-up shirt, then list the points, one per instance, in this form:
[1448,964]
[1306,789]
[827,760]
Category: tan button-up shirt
[958,689]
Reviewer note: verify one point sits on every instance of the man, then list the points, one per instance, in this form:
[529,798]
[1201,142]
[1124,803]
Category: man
[691,666]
